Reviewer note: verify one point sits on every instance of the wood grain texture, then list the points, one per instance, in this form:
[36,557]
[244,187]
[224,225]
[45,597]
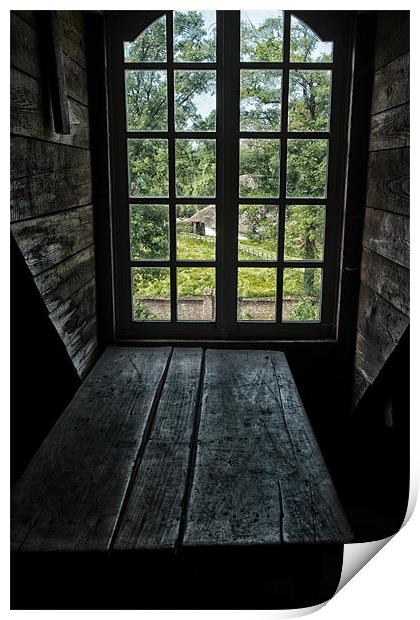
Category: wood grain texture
[47,177]
[30,113]
[30,17]
[249,486]
[70,496]
[388,181]
[73,33]
[390,129]
[58,284]
[387,278]
[392,36]
[75,322]
[360,386]
[76,80]
[380,327]
[24,46]
[48,240]
[153,513]
[391,86]
[388,234]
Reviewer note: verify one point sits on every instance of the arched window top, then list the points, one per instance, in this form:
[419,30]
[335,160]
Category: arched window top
[306,45]
[150,45]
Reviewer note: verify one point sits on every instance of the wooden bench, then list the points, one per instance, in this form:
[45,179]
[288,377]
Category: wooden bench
[165,449]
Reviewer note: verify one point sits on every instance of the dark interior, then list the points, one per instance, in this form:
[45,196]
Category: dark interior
[355,387]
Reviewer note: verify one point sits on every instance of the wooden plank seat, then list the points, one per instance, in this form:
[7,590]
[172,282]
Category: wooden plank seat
[172,448]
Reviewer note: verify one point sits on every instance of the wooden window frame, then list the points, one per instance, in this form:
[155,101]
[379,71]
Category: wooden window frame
[330,26]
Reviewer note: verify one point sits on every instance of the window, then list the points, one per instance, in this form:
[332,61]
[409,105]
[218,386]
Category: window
[228,156]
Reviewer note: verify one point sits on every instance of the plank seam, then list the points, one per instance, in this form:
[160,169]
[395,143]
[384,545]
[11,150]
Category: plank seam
[380,67]
[73,146]
[48,213]
[192,459]
[388,211]
[139,456]
[393,107]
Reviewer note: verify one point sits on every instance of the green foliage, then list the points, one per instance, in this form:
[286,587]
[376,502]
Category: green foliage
[195,161]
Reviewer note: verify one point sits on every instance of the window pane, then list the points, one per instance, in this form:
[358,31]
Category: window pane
[306,46]
[257,232]
[150,45]
[146,100]
[302,294]
[259,168]
[149,231]
[151,294]
[256,294]
[261,36]
[307,168]
[195,232]
[195,100]
[195,168]
[196,288]
[148,167]
[195,36]
[304,232]
[309,100]
[260,100]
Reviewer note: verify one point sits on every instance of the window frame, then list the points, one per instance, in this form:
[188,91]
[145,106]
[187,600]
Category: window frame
[331,26]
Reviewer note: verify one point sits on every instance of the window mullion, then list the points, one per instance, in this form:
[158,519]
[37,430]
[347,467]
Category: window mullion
[171,162]
[283,165]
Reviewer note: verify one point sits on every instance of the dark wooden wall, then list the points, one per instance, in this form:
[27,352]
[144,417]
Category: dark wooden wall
[51,182]
[383,307]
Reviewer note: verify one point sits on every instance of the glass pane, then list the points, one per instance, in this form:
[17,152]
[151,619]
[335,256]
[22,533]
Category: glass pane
[259,168]
[149,231]
[309,100]
[302,294]
[195,168]
[146,100]
[306,46]
[196,232]
[196,288]
[257,232]
[261,36]
[195,36]
[148,167]
[195,100]
[150,45]
[307,168]
[304,232]
[257,294]
[151,294]
[260,100]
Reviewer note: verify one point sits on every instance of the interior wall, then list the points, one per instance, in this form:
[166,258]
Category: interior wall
[383,307]
[51,182]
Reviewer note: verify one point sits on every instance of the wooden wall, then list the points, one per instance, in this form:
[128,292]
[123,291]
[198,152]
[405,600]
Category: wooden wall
[51,183]
[383,310]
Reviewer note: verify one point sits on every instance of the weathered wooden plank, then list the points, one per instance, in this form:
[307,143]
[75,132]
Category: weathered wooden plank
[73,32]
[390,129]
[248,471]
[60,283]
[387,234]
[311,478]
[30,113]
[47,177]
[392,36]
[70,496]
[387,278]
[30,17]
[45,241]
[388,181]
[76,80]
[153,512]
[391,85]
[73,322]
[380,327]
[24,46]
[360,386]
